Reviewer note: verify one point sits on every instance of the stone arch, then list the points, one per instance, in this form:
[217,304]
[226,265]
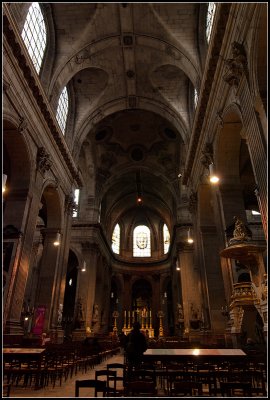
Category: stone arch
[73,65]
[120,104]
[141,293]
[16,158]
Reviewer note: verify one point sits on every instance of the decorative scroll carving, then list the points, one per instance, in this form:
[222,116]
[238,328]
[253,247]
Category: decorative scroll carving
[43,160]
[193,198]
[207,152]
[236,66]
[23,125]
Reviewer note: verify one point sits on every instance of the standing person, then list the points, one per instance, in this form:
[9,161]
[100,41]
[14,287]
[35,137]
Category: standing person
[136,345]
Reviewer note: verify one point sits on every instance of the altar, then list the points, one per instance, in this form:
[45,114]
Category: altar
[143,316]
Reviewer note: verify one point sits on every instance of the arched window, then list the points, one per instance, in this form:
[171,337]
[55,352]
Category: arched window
[166,238]
[116,239]
[141,241]
[209,19]
[76,201]
[62,110]
[34,35]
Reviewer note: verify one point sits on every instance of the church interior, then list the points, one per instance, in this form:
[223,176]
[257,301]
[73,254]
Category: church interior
[134,174]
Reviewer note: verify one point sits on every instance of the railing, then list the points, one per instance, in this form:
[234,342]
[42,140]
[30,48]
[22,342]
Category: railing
[244,294]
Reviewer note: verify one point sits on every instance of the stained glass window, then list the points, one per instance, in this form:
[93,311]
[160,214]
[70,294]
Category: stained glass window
[116,239]
[166,238]
[141,241]
[62,110]
[34,35]
[209,19]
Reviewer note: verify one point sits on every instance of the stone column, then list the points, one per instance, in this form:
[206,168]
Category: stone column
[24,219]
[86,287]
[49,271]
[61,272]
[213,276]
[189,281]
[236,76]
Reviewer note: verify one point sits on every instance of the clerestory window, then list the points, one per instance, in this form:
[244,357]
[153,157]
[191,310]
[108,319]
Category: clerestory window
[141,241]
[34,35]
[209,19]
[166,238]
[116,239]
[62,110]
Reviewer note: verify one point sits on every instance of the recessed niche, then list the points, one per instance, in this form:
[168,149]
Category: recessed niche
[137,154]
[170,133]
[101,135]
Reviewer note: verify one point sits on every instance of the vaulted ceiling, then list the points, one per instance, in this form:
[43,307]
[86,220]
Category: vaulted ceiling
[131,69]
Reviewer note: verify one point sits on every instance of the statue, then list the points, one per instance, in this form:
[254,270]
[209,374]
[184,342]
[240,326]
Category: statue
[195,321]
[79,320]
[240,232]
[95,313]
[60,314]
[180,314]
[144,312]
[194,312]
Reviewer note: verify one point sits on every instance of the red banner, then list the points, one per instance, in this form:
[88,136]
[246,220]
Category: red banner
[39,319]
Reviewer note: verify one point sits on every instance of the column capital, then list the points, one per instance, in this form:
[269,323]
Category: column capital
[236,66]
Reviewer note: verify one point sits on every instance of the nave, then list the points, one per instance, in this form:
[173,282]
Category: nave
[227,377]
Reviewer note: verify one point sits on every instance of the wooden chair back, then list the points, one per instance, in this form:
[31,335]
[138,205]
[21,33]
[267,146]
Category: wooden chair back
[99,386]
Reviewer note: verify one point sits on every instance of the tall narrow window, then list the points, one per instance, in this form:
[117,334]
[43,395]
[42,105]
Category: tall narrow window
[76,201]
[196,97]
[62,110]
[141,241]
[34,35]
[166,238]
[116,239]
[209,19]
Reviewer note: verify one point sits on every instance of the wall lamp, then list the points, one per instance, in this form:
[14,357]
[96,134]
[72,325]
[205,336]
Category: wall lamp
[213,176]
[83,267]
[4,181]
[189,238]
[57,239]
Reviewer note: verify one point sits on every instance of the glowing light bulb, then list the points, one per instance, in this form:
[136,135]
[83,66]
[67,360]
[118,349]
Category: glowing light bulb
[213,177]
[57,240]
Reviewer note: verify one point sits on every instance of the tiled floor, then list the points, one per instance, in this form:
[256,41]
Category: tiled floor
[68,388]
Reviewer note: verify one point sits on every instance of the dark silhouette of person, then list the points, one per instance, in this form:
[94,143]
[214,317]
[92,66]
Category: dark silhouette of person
[136,345]
[250,346]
